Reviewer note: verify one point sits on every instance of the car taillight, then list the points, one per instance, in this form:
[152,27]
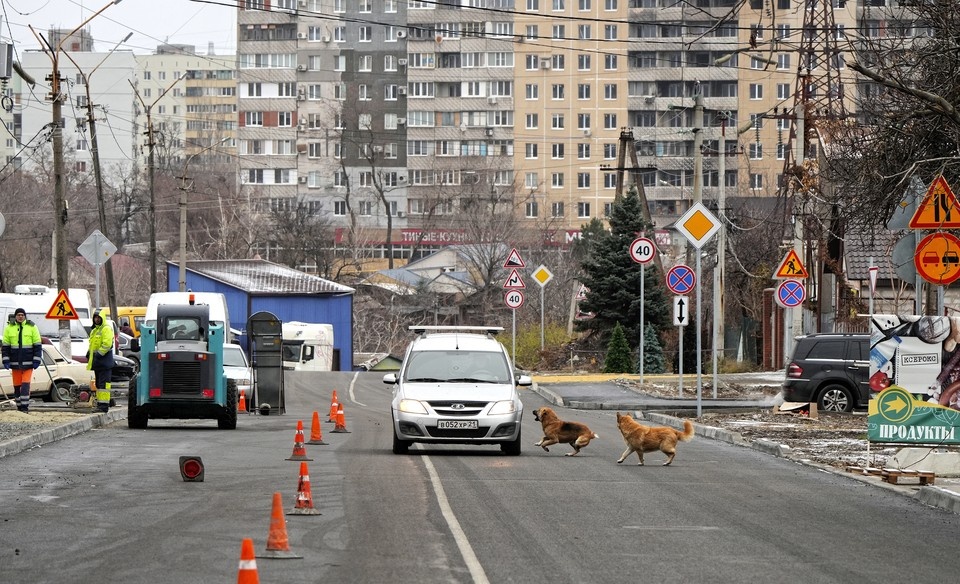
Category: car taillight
[794,371]
[207,393]
[163,356]
[200,357]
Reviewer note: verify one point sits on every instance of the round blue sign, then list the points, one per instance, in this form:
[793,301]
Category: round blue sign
[681,279]
[791,293]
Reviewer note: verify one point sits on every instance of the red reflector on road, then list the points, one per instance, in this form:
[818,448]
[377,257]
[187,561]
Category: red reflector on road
[191,468]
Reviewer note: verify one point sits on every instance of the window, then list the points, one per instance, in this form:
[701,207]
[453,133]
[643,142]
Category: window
[583,151]
[583,180]
[756,91]
[558,62]
[558,32]
[365,34]
[284,119]
[583,62]
[253,118]
[756,151]
[610,32]
[556,151]
[365,63]
[609,180]
[609,151]
[530,150]
[558,91]
[531,209]
[610,121]
[340,207]
[756,180]
[254,90]
[584,32]
[783,90]
[532,91]
[610,91]
[610,62]
[314,150]
[583,91]
[583,210]
[783,61]
[363,92]
[583,121]
[556,209]
[533,121]
[556,121]
[556,180]
[82,145]
[531,180]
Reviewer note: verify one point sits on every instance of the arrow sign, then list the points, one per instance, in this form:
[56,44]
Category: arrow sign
[680,311]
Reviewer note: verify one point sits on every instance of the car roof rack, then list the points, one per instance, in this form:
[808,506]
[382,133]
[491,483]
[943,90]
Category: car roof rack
[422,330]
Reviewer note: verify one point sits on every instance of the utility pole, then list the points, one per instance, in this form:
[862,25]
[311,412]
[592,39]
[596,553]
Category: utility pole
[697,143]
[152,208]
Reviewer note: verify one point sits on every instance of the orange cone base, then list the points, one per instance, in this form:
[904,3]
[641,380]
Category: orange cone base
[316,442]
[340,431]
[279,555]
[298,457]
[304,511]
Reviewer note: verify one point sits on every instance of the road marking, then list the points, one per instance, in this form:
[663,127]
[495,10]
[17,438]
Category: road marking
[470,558]
[674,528]
[353,384]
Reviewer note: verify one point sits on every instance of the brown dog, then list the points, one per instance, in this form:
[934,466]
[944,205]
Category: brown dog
[640,438]
[556,431]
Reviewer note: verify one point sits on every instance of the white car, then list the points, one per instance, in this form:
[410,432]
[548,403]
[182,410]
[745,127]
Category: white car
[236,366]
[456,386]
[52,381]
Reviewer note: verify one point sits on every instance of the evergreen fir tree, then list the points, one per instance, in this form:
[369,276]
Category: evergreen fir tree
[613,278]
[653,360]
[618,353]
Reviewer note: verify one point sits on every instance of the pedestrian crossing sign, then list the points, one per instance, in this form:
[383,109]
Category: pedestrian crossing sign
[61,309]
[791,268]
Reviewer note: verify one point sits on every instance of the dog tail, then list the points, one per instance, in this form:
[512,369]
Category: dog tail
[688,431]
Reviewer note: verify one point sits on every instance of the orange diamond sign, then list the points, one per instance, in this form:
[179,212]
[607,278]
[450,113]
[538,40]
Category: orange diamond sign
[698,225]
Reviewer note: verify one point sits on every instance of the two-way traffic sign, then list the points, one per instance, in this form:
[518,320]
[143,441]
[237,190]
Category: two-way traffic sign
[681,311]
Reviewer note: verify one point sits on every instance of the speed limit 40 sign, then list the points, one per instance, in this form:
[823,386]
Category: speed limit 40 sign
[513,299]
[642,250]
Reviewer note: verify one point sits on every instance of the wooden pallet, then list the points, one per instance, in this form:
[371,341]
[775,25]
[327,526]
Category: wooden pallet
[894,475]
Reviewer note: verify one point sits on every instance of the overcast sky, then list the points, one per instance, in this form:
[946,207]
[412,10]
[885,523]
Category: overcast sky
[152,22]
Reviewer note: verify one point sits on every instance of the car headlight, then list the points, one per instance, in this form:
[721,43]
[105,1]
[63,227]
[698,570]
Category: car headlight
[503,407]
[412,406]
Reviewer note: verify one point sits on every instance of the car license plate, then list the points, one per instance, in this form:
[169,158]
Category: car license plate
[457,424]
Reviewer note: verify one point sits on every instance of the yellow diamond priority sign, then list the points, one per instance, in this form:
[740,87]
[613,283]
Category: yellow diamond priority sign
[698,225]
[542,275]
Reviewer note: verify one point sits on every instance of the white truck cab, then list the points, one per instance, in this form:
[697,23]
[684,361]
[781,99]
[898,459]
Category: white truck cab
[307,346]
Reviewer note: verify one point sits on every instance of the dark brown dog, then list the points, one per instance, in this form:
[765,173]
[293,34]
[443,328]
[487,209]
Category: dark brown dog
[640,438]
[556,431]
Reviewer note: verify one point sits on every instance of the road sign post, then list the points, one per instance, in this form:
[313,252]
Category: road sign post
[542,275]
[642,251]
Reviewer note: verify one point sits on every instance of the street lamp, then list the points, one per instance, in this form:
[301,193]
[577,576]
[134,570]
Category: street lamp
[183,213]
[59,185]
[98,175]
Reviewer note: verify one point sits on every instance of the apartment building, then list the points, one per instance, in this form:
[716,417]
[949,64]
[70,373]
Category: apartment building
[389,115]
[191,100]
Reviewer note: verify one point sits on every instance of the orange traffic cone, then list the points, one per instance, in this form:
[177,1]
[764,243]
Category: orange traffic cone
[334,405]
[247,574]
[316,435]
[341,422]
[304,505]
[278,546]
[299,452]
[242,402]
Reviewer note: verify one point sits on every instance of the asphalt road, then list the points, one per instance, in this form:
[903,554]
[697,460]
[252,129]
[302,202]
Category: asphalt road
[109,506]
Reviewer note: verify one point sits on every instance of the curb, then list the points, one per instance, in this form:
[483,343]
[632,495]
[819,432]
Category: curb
[54,433]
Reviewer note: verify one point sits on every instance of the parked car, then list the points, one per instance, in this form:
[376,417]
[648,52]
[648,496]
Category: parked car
[236,366]
[830,369]
[129,347]
[456,386]
[52,381]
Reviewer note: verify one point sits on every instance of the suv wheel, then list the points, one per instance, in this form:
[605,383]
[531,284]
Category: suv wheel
[835,398]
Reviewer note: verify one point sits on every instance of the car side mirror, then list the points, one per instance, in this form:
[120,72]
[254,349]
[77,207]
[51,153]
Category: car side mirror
[524,380]
[390,378]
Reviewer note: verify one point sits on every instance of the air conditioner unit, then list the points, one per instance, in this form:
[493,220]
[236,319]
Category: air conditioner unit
[302,3]
[325,38]
[400,214]
[301,67]
[544,63]
[401,34]
[586,133]
[492,100]
[302,180]
[402,62]
[301,35]
[401,121]
[648,98]
[302,126]
[401,91]
[301,97]
[489,131]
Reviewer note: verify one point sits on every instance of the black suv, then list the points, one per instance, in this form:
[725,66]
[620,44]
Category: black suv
[831,369]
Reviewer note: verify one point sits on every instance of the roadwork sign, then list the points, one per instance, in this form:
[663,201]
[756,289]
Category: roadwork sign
[791,267]
[939,209]
[61,309]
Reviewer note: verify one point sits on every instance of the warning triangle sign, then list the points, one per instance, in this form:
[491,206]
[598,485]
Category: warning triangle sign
[514,260]
[61,309]
[791,267]
[514,281]
[939,209]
